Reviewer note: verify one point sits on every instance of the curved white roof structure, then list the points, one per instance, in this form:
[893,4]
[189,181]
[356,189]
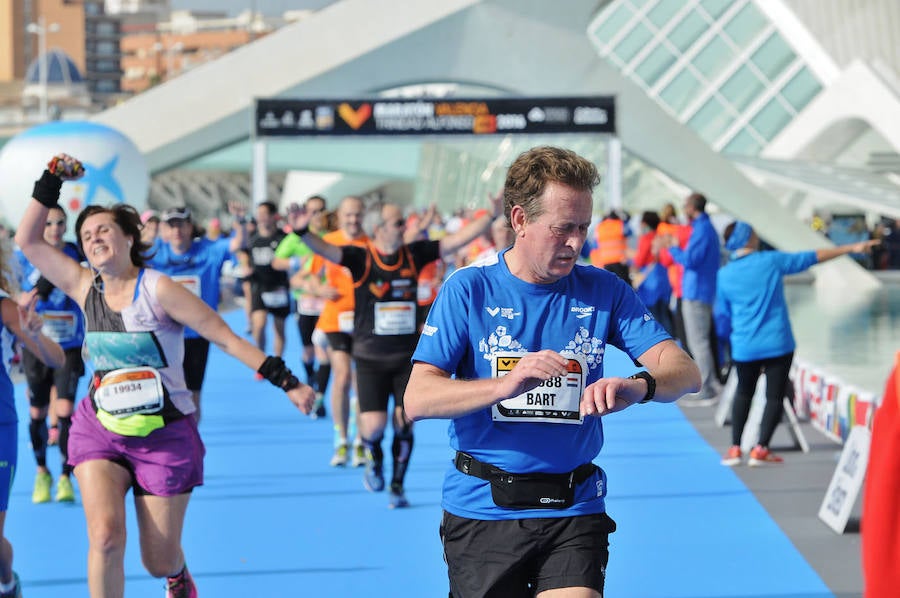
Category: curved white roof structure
[359,48]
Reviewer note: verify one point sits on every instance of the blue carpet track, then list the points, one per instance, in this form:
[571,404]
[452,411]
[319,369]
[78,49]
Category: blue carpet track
[273,519]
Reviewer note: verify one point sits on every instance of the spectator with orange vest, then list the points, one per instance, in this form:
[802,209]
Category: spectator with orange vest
[611,252]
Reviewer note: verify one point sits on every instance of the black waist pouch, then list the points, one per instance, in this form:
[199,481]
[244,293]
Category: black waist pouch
[527,490]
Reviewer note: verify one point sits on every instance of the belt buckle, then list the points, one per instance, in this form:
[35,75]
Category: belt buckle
[464,462]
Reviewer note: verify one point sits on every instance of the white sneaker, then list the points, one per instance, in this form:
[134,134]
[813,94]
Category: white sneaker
[359,455]
[339,459]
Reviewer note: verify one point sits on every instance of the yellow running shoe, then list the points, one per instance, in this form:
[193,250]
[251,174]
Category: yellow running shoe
[339,459]
[42,483]
[359,455]
[64,490]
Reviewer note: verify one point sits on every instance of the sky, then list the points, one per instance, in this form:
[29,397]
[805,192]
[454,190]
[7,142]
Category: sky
[233,7]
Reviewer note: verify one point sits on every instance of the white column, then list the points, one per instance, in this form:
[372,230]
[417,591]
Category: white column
[613,173]
[41,29]
[259,175]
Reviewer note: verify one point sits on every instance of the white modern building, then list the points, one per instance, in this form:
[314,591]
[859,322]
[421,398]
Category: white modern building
[772,108]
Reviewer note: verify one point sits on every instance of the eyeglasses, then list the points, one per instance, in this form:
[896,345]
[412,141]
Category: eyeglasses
[56,223]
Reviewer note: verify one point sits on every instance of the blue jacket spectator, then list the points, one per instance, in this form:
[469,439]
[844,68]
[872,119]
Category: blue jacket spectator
[700,260]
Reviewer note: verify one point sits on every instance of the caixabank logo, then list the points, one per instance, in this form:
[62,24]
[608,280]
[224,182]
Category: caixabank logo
[115,171]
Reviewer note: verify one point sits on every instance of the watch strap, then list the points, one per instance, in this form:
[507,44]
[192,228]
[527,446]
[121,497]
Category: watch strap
[651,385]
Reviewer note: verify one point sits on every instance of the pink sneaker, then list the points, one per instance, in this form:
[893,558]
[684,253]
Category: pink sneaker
[732,457]
[181,586]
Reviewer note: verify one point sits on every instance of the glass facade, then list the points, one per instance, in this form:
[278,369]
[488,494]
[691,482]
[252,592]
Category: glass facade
[718,66]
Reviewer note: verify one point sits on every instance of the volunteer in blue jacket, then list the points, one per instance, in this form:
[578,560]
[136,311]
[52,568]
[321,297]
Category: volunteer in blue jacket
[512,353]
[700,258]
[195,262]
[750,296]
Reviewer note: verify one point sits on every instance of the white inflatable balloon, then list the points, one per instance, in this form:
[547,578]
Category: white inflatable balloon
[115,171]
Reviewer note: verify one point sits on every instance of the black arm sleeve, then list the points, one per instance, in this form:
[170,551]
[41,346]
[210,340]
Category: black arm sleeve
[354,259]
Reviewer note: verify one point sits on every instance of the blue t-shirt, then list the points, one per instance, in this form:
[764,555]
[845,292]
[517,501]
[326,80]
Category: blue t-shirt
[483,318]
[655,287]
[7,392]
[198,269]
[750,294]
[63,319]
[700,259]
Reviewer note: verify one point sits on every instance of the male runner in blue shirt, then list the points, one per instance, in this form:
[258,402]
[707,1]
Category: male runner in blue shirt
[512,353]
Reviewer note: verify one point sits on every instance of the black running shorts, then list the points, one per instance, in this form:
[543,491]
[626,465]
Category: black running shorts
[41,378]
[523,557]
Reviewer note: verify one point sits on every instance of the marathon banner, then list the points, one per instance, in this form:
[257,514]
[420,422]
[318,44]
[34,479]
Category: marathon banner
[434,116]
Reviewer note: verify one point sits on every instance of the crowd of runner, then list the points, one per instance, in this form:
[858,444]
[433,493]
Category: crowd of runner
[140,293]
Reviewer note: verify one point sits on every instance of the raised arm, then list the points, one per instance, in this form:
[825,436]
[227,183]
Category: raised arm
[188,309]
[238,214]
[451,243]
[412,232]
[299,222]
[829,253]
[55,266]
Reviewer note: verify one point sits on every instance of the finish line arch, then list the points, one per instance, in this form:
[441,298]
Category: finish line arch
[434,118]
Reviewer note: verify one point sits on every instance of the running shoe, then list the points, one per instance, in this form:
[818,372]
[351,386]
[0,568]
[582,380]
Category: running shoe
[318,409]
[53,436]
[762,456]
[732,457]
[64,490]
[373,476]
[16,592]
[339,459]
[396,498]
[359,455]
[181,586]
[42,483]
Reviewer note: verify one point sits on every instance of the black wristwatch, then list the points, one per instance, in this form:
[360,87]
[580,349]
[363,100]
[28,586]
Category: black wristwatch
[651,385]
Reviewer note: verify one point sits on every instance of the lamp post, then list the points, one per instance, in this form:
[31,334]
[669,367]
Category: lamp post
[41,30]
[174,49]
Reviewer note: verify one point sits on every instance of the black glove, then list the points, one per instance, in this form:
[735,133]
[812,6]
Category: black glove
[46,189]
